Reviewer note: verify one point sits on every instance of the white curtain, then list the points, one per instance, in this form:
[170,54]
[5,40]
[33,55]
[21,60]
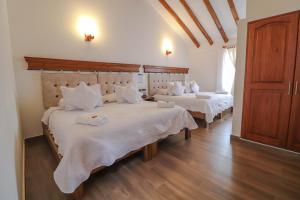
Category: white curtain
[232,55]
[228,69]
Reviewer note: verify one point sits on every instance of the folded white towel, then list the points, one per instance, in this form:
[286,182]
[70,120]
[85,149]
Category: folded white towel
[164,104]
[221,92]
[92,119]
[202,96]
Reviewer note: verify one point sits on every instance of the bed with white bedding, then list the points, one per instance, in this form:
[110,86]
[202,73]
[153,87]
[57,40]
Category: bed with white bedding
[204,108]
[83,149]
[129,127]
[217,103]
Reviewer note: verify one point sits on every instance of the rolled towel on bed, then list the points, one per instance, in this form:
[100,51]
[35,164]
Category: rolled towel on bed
[221,92]
[164,104]
[202,96]
[92,119]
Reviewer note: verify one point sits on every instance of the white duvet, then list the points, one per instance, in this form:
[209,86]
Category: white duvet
[211,107]
[129,127]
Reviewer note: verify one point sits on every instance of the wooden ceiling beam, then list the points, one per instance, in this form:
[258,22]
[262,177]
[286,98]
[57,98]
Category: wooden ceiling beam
[196,21]
[233,11]
[216,20]
[180,22]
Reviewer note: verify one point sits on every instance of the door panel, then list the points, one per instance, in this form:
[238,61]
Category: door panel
[264,105]
[269,45]
[294,128]
[271,53]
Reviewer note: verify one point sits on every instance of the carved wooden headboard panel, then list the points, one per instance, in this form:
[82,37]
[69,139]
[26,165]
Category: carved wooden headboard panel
[102,73]
[158,81]
[51,83]
[159,76]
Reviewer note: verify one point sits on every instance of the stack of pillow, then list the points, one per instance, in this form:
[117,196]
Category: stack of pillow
[191,87]
[84,97]
[177,89]
[127,94]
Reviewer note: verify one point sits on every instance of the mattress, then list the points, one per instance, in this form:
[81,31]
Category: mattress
[129,127]
[210,107]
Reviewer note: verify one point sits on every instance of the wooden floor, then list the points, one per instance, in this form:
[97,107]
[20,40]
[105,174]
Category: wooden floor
[209,166]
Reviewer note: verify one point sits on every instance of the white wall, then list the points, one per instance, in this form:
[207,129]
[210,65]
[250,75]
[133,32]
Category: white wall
[256,9]
[131,31]
[11,141]
[204,63]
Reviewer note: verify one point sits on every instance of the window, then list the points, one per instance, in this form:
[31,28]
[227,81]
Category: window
[228,69]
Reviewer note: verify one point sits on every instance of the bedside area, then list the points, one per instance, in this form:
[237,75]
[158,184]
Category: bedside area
[148,98]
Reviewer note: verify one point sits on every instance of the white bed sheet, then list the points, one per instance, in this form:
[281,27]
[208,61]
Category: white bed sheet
[211,107]
[129,127]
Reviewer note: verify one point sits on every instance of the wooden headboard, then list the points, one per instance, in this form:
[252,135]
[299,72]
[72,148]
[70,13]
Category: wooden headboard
[161,69]
[51,64]
[105,75]
[160,76]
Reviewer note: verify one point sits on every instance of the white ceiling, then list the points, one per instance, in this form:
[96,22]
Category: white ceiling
[222,9]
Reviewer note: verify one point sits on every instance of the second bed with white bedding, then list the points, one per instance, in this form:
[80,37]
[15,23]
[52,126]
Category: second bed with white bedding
[128,128]
[211,107]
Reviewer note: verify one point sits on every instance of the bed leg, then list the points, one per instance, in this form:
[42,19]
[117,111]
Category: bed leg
[206,125]
[220,115]
[150,151]
[187,133]
[78,193]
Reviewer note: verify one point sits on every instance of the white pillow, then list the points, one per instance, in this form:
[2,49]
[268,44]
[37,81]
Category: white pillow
[82,97]
[127,94]
[178,89]
[109,98]
[187,87]
[194,87]
[120,90]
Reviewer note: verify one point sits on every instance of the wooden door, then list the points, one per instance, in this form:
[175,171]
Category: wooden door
[294,128]
[271,53]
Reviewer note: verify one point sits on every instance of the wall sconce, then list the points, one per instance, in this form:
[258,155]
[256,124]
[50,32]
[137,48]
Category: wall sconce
[88,37]
[168,52]
[87,27]
[167,46]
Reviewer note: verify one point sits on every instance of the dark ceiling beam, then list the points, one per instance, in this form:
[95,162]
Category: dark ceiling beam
[196,21]
[233,11]
[216,20]
[180,22]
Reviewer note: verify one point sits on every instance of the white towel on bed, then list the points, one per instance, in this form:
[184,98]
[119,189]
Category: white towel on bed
[221,92]
[92,119]
[203,96]
[164,104]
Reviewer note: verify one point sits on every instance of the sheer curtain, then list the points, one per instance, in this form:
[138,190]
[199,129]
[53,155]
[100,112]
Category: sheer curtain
[228,69]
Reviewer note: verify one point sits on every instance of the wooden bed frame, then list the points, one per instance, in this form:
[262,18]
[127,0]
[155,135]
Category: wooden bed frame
[36,63]
[179,70]
[200,115]
[149,152]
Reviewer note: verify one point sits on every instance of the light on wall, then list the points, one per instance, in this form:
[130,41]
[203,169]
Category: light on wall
[87,27]
[168,52]
[167,46]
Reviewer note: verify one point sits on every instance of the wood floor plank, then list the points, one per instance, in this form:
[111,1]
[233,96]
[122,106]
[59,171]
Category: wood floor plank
[209,166]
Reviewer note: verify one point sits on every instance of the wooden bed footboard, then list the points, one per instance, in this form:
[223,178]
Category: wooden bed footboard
[200,115]
[149,152]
